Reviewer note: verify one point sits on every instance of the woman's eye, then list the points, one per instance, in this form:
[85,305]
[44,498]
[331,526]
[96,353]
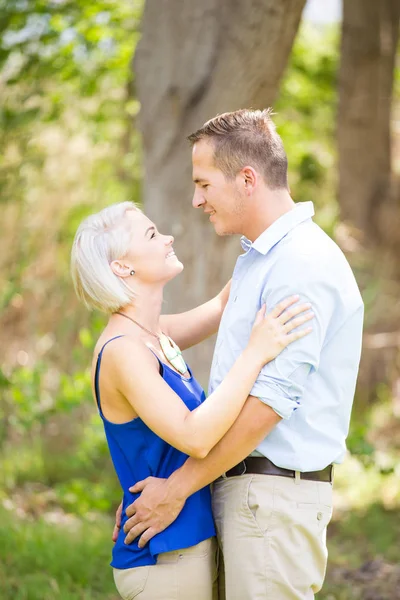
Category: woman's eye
[153,235]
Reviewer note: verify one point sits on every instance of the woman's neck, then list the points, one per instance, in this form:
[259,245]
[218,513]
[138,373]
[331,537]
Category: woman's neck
[146,309]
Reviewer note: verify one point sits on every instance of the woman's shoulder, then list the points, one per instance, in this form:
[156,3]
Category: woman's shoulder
[124,351]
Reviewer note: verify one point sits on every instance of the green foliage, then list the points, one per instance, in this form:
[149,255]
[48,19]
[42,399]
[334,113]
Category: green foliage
[305,119]
[50,560]
[35,395]
[65,63]
[68,143]
[68,40]
[363,556]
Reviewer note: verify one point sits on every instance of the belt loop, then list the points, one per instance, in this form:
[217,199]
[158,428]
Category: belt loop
[297,477]
[224,476]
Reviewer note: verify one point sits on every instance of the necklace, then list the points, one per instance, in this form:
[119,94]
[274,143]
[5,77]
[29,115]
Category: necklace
[170,350]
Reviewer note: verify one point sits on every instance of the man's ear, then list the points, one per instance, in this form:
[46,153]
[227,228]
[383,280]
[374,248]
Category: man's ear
[250,179]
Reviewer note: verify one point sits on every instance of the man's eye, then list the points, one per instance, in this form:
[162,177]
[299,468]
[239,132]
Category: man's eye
[205,186]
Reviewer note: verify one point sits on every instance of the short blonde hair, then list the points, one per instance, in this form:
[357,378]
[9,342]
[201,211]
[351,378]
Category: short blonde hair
[100,239]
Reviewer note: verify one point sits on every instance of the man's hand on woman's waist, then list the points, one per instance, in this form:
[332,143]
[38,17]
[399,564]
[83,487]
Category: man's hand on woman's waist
[158,505]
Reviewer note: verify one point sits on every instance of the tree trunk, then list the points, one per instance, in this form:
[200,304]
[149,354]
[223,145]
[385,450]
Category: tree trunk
[369,195]
[369,42]
[195,60]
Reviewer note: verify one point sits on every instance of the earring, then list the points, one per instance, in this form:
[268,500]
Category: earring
[132,272]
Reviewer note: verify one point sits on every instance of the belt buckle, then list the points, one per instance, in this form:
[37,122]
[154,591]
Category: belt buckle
[224,476]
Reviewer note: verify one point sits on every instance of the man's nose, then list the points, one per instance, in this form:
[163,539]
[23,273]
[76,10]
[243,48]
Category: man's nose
[198,199]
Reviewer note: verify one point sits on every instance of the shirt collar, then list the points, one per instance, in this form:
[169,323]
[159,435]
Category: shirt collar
[275,232]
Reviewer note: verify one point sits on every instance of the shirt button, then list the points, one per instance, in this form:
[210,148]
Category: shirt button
[319,516]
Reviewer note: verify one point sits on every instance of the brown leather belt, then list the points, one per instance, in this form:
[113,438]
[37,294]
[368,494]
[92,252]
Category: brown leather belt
[263,466]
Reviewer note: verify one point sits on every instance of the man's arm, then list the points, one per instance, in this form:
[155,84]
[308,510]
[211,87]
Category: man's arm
[256,419]
[277,391]
[162,500]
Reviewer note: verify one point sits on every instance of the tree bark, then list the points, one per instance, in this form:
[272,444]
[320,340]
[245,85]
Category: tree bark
[369,194]
[367,198]
[195,60]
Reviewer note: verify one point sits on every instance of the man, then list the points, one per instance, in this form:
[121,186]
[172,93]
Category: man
[272,496]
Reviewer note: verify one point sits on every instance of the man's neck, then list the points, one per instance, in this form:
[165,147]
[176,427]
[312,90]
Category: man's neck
[265,210]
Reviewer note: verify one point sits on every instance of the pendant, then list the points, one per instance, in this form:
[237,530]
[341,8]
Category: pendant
[172,353]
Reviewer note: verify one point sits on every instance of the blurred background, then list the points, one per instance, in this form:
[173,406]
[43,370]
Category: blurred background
[96,101]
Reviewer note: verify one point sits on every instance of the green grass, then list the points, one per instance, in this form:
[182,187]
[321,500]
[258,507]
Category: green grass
[40,560]
[47,561]
[68,558]
[364,556]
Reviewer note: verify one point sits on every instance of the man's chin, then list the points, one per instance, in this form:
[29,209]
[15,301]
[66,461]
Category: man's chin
[221,230]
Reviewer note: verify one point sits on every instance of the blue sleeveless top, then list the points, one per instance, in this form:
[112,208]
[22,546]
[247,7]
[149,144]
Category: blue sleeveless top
[138,453]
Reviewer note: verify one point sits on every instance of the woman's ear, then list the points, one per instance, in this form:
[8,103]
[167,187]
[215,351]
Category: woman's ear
[121,268]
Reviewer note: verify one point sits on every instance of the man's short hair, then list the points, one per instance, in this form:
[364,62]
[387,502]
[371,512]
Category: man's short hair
[246,138]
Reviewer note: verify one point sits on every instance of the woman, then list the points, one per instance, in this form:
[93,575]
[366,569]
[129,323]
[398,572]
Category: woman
[154,412]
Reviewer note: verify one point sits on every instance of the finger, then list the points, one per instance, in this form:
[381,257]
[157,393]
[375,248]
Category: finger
[296,335]
[281,306]
[132,522]
[293,312]
[135,532]
[260,314]
[118,515]
[146,537]
[139,486]
[115,533]
[130,510]
[293,323]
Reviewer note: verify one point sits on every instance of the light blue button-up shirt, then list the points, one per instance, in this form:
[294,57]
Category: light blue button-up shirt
[311,383]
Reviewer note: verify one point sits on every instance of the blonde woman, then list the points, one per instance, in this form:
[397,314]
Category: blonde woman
[155,413]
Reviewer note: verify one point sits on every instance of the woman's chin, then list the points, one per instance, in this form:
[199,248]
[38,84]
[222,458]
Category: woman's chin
[177,269]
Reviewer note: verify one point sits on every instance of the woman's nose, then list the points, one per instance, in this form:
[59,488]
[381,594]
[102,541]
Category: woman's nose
[170,240]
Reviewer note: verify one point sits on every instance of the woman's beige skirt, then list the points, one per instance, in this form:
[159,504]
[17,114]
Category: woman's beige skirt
[189,574]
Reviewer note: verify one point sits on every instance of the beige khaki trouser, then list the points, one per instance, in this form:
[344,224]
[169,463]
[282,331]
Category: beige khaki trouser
[272,532]
[189,574]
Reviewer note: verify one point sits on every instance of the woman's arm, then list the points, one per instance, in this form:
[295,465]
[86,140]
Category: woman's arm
[163,411]
[193,326]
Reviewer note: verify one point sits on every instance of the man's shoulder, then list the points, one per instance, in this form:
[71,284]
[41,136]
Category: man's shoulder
[310,257]
[308,245]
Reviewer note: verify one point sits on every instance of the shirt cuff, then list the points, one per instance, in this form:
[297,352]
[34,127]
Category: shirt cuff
[282,405]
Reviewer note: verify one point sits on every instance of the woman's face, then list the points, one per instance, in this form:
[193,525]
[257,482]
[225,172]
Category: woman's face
[151,254]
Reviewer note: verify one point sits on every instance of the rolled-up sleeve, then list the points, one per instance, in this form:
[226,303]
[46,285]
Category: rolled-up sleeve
[282,394]
[282,382]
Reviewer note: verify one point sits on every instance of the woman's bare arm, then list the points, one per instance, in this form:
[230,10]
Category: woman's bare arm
[196,432]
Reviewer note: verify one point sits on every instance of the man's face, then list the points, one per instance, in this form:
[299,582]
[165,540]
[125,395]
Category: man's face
[220,198]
